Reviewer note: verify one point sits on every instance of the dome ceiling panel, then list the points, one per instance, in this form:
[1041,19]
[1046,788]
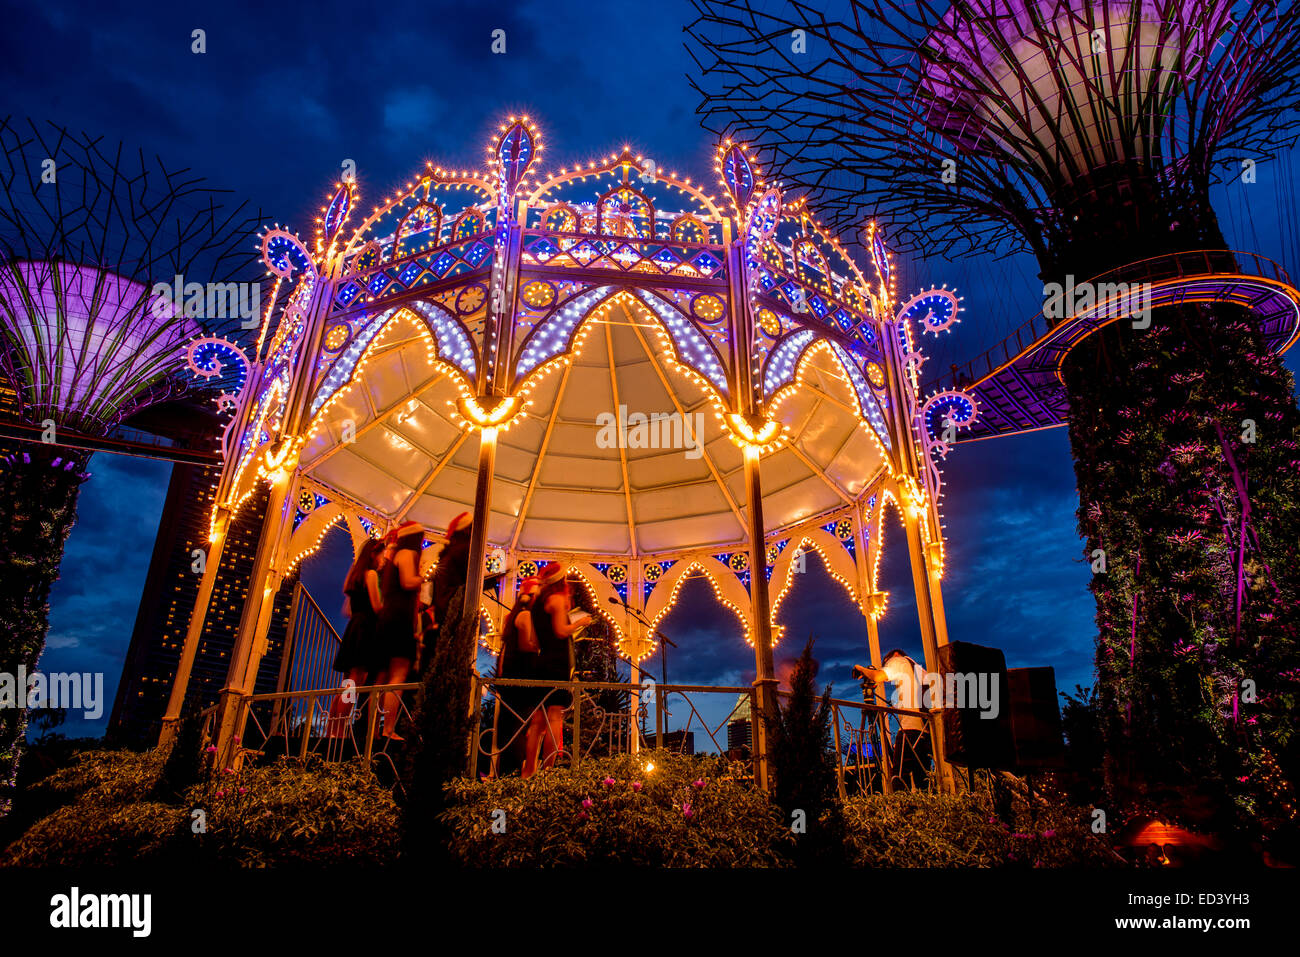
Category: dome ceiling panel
[569,536]
[686,532]
[672,467]
[797,501]
[685,501]
[563,471]
[583,506]
[355,477]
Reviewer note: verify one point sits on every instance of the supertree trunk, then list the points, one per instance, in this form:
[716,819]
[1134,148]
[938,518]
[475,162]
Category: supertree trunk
[38,506]
[1175,429]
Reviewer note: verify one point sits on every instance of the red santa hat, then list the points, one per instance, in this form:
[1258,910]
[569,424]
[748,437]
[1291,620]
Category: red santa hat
[461,523]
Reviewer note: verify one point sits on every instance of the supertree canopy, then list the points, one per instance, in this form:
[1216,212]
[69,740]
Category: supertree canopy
[1090,134]
[89,237]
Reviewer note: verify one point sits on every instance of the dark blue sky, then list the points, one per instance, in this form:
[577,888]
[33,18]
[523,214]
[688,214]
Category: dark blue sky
[285,94]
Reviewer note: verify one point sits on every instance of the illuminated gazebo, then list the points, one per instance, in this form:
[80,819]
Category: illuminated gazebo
[609,366]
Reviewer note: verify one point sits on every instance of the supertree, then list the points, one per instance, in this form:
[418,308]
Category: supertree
[1090,134]
[89,235]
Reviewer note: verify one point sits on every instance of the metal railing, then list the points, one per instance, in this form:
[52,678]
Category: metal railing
[870,756]
[1182,265]
[302,723]
[612,732]
[309,649]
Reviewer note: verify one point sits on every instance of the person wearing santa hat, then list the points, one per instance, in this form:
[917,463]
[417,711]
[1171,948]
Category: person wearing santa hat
[519,657]
[554,627]
[448,577]
[396,643]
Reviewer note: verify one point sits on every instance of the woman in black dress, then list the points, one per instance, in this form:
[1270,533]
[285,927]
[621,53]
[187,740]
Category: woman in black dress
[519,656]
[357,648]
[399,586]
[551,623]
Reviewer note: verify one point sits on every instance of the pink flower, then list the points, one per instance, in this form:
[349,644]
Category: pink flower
[582,815]
[636,785]
[686,811]
[1051,832]
[230,770]
[609,782]
[243,790]
[1243,779]
[221,794]
[212,749]
[697,784]
[588,803]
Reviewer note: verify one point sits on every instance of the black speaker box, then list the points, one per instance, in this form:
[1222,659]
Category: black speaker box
[1036,719]
[972,737]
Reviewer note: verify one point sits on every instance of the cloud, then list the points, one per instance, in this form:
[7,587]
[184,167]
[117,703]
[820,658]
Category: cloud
[411,112]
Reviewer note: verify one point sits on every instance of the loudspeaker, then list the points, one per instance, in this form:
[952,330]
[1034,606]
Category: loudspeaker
[1036,719]
[975,736]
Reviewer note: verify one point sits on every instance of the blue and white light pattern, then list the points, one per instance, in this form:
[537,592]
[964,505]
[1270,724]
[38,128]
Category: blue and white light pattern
[454,346]
[866,398]
[935,310]
[781,363]
[338,210]
[692,348]
[552,337]
[454,343]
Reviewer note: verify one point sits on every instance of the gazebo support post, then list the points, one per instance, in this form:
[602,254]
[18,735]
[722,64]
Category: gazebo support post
[487,457]
[185,666]
[765,683]
[934,633]
[255,620]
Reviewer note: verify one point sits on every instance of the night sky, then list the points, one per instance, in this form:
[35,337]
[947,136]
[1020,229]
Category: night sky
[283,96]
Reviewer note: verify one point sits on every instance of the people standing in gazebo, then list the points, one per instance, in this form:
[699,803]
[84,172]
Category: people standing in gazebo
[553,626]
[448,576]
[520,654]
[356,654]
[399,588]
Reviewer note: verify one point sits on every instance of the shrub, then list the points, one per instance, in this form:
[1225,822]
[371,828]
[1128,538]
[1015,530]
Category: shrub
[282,813]
[285,813]
[803,760]
[917,829]
[108,778]
[444,724]
[81,835]
[186,763]
[686,812]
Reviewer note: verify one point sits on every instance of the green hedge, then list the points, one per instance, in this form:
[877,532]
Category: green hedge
[281,813]
[686,812]
[915,829]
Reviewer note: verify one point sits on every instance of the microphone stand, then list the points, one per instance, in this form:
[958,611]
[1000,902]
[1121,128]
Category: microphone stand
[664,642]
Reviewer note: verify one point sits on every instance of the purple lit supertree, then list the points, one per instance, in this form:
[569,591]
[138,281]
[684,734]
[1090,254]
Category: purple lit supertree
[87,340]
[1090,133]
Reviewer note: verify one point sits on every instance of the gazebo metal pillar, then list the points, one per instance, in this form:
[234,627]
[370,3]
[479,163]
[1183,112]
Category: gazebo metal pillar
[487,457]
[268,567]
[185,666]
[765,683]
[255,620]
[934,633]
[498,347]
